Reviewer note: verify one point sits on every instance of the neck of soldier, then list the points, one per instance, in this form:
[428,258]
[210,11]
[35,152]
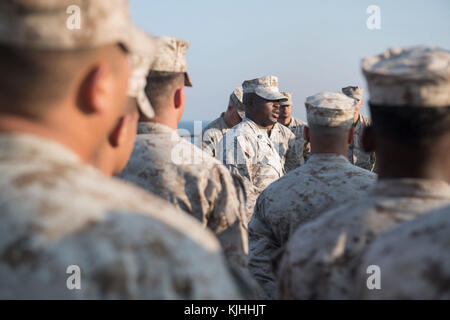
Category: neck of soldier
[55,127]
[104,162]
[285,120]
[266,125]
[321,147]
[167,118]
[396,161]
[229,118]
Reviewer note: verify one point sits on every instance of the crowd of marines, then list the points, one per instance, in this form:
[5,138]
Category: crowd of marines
[93,172]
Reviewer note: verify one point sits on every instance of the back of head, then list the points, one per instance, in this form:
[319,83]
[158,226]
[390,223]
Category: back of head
[168,72]
[45,48]
[237,102]
[410,95]
[330,117]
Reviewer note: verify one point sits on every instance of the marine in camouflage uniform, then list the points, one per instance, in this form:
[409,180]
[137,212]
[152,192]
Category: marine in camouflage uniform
[356,153]
[174,169]
[171,167]
[294,124]
[414,261]
[326,180]
[247,150]
[214,131]
[60,212]
[408,85]
[127,243]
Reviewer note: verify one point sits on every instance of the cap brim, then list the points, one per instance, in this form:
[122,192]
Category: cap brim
[286,103]
[272,95]
[144,105]
[187,80]
[143,45]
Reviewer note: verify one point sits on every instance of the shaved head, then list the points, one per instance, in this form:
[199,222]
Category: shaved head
[32,80]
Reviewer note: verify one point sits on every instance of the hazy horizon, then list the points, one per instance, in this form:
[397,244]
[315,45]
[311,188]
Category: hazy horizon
[309,46]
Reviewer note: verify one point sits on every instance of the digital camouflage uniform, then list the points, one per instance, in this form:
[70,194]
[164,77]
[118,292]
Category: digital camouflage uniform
[247,150]
[289,148]
[356,153]
[214,131]
[171,167]
[414,261]
[322,258]
[212,134]
[296,126]
[57,212]
[325,181]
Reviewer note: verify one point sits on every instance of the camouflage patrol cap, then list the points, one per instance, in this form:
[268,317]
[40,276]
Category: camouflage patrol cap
[172,57]
[236,99]
[330,109]
[415,76]
[66,24]
[140,67]
[265,87]
[288,102]
[353,92]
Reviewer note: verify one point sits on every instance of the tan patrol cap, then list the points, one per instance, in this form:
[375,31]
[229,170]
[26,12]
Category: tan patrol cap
[236,99]
[67,24]
[172,57]
[415,76]
[288,102]
[330,109]
[140,67]
[354,92]
[265,87]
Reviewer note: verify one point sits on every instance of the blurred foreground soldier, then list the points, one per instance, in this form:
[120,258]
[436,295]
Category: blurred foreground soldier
[414,261]
[356,153]
[214,131]
[247,149]
[409,89]
[171,167]
[69,226]
[326,180]
[294,124]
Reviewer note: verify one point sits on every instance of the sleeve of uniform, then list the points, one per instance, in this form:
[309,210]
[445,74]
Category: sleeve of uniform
[262,247]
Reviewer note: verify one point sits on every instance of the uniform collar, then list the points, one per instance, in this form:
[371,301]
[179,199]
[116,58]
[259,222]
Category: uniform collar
[255,128]
[409,187]
[320,158]
[24,147]
[153,127]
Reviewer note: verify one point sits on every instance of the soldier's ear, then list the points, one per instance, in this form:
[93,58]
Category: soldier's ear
[306,133]
[179,98]
[368,139]
[95,89]
[118,135]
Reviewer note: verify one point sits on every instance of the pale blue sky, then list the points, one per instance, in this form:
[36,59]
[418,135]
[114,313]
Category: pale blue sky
[311,46]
